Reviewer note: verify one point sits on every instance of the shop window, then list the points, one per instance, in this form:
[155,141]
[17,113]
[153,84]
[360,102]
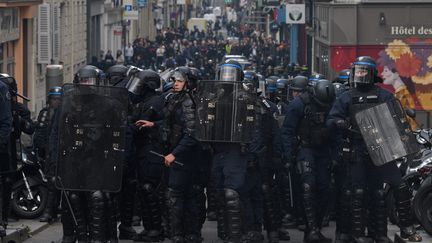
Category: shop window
[1,58]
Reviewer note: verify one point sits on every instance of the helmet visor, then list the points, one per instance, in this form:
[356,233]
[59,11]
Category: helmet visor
[88,81]
[135,85]
[362,74]
[229,73]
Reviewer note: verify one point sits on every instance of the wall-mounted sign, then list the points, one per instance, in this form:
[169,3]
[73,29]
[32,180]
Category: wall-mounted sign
[295,14]
[411,30]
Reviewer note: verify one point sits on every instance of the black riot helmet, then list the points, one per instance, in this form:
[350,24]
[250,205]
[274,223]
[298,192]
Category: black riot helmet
[190,75]
[231,70]
[299,83]
[89,75]
[343,77]
[324,92]
[314,78]
[144,81]
[363,72]
[271,86]
[251,77]
[116,73]
[55,92]
[10,82]
[282,88]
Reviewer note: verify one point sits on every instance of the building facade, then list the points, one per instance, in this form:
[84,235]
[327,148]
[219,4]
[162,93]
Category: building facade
[397,34]
[61,38]
[16,38]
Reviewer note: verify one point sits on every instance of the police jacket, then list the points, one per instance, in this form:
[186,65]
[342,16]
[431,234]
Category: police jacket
[179,124]
[265,136]
[149,109]
[5,117]
[353,101]
[22,120]
[305,125]
[42,128]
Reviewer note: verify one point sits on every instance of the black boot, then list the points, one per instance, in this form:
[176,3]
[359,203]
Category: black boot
[49,213]
[2,199]
[211,204]
[403,206]
[221,215]
[270,218]
[151,213]
[78,205]
[343,222]
[97,219]
[233,215]
[67,223]
[312,233]
[175,204]
[378,215]
[126,208]
[357,217]
[194,212]
[111,215]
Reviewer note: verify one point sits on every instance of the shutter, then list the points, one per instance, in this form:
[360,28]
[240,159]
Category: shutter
[44,38]
[56,32]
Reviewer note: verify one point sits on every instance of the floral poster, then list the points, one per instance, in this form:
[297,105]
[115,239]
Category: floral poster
[406,66]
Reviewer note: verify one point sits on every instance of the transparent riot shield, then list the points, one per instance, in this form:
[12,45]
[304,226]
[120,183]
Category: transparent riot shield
[225,111]
[92,127]
[386,132]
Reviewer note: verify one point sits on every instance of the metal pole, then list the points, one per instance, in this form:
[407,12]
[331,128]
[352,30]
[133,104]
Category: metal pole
[294,43]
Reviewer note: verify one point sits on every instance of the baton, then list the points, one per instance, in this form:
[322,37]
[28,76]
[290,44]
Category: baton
[291,191]
[162,156]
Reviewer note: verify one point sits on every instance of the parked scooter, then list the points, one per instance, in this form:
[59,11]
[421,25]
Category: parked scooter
[29,192]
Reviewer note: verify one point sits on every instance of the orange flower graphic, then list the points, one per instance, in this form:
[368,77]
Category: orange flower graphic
[396,49]
[429,63]
[407,65]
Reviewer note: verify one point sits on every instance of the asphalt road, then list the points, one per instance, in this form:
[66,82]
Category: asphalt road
[54,232]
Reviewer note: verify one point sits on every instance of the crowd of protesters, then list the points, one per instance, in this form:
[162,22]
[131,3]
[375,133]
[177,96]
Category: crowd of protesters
[203,50]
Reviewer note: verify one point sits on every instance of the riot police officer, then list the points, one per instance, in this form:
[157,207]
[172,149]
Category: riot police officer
[364,174]
[5,129]
[21,123]
[179,130]
[92,225]
[116,75]
[306,121]
[343,77]
[41,135]
[148,106]
[297,87]
[229,171]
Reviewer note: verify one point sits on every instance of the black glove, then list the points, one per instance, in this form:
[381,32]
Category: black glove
[342,124]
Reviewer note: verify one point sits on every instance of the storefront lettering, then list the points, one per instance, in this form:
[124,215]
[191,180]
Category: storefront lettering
[412,30]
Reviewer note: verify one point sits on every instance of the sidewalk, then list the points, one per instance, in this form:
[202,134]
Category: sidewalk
[21,230]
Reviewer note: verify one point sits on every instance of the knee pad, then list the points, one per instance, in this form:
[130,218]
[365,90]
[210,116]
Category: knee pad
[307,188]
[358,192]
[305,167]
[381,193]
[197,188]
[97,196]
[402,192]
[147,188]
[232,198]
[74,197]
[266,188]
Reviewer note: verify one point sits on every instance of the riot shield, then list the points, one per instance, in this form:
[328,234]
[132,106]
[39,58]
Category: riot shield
[225,111]
[386,132]
[92,127]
